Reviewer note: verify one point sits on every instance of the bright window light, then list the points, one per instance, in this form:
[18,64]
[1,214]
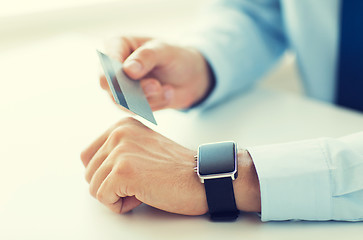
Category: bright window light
[20,7]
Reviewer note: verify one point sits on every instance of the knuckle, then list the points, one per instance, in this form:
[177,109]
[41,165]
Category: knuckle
[121,149]
[92,191]
[117,132]
[124,167]
[124,39]
[128,130]
[100,196]
[126,127]
[116,136]
[88,176]
[147,52]
[84,156]
[107,165]
[126,121]
[118,152]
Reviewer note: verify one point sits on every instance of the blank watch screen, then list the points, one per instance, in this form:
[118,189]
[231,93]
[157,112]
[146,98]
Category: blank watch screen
[216,158]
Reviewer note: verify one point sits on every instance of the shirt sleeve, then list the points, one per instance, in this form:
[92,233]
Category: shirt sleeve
[241,40]
[316,180]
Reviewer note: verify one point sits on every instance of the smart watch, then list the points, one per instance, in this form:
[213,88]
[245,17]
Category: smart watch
[217,168]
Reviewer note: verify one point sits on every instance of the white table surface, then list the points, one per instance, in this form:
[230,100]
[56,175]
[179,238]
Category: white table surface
[52,107]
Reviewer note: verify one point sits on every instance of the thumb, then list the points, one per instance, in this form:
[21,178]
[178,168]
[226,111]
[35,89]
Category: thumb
[143,60]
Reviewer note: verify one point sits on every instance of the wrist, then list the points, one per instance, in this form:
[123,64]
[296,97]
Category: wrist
[246,186]
[205,81]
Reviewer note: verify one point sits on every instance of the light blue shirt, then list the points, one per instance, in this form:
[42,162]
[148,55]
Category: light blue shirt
[318,179]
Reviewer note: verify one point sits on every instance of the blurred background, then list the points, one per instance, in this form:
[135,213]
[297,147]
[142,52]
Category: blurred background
[24,22]
[30,20]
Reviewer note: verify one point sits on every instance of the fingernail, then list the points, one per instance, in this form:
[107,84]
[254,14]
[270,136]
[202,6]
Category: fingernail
[133,66]
[150,89]
[168,94]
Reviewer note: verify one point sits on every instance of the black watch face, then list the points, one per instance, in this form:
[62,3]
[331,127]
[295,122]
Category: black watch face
[217,158]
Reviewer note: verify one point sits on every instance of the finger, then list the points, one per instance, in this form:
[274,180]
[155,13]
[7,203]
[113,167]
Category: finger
[158,96]
[161,99]
[118,48]
[104,83]
[123,205]
[110,195]
[99,176]
[150,86]
[95,163]
[115,207]
[121,48]
[129,203]
[102,154]
[144,59]
[91,150]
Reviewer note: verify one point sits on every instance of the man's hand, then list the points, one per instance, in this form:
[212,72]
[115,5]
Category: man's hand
[171,76]
[130,164]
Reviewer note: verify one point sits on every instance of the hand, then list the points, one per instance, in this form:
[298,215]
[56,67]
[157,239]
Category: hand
[130,164]
[171,76]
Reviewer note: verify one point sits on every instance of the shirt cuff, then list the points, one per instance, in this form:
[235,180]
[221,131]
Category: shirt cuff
[294,181]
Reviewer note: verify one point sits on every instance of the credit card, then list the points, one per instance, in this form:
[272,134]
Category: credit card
[126,92]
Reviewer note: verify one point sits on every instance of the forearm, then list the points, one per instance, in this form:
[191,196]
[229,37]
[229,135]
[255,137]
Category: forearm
[241,40]
[246,186]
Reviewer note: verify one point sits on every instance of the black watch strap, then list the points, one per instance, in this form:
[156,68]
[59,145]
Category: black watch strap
[220,198]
